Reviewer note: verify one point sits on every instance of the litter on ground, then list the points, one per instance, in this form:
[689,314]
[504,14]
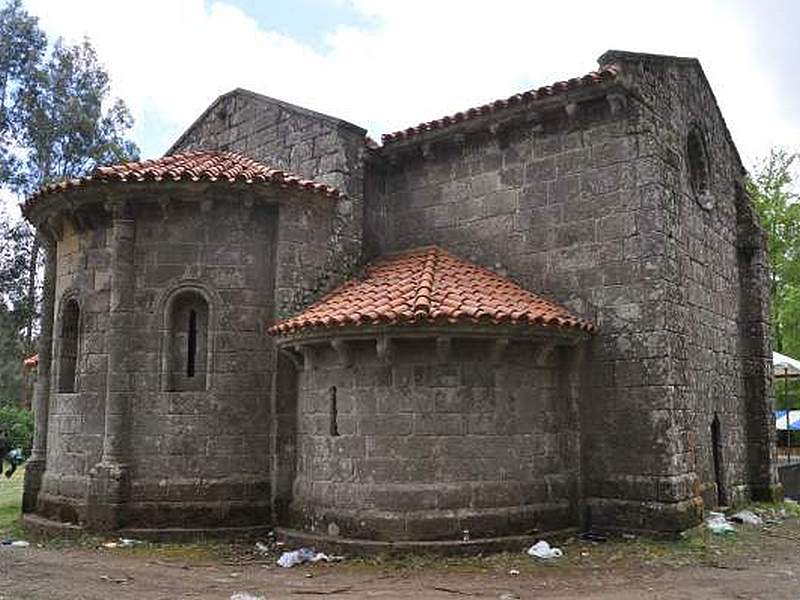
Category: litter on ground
[718,524]
[542,549]
[305,555]
[746,517]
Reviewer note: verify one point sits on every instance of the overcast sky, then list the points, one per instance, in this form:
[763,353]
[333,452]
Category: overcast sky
[388,64]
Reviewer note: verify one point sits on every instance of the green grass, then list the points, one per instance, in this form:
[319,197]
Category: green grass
[11,505]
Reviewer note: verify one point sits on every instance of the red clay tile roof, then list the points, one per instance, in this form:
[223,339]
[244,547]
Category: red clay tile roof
[199,165]
[606,73]
[430,285]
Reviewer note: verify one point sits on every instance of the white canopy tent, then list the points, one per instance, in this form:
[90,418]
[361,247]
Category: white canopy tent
[785,366]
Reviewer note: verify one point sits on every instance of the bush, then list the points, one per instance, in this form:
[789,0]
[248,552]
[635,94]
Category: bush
[18,423]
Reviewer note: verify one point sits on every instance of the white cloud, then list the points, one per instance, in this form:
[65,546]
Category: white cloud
[417,60]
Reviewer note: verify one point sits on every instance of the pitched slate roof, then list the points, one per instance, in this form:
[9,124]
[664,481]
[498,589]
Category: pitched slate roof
[198,165]
[430,285]
[607,73]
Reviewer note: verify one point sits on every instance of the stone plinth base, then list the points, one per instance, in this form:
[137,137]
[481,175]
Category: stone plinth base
[650,518]
[356,547]
[34,470]
[433,525]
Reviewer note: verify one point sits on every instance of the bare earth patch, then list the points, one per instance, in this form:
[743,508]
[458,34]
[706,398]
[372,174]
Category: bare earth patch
[757,562]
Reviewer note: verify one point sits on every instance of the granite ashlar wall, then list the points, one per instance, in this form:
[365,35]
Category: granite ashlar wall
[76,419]
[422,447]
[192,458]
[593,207]
[570,208]
[312,145]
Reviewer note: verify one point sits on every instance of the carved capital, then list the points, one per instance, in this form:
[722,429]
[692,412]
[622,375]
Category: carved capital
[385,348]
[444,349]
[498,352]
[342,349]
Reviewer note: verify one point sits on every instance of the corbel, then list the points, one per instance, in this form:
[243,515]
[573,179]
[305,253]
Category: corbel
[385,348]
[81,221]
[617,101]
[206,204]
[571,109]
[543,351]
[56,227]
[344,352]
[427,151]
[164,203]
[308,354]
[499,350]
[293,355]
[444,349]
[117,208]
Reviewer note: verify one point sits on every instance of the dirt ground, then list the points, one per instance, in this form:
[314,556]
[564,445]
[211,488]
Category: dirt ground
[755,562]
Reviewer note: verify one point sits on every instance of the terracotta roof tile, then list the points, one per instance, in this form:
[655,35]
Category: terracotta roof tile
[429,285]
[607,73]
[199,165]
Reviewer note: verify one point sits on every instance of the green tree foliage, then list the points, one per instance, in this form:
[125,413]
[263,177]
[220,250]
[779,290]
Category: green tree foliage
[19,426]
[22,47]
[70,123]
[57,120]
[777,205]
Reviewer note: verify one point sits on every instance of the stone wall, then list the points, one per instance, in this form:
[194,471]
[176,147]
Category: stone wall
[197,456]
[202,457]
[75,420]
[311,145]
[569,209]
[425,447]
[716,318]
[593,207]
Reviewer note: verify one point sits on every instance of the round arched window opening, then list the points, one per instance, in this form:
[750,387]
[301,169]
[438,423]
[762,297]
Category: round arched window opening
[187,342]
[699,169]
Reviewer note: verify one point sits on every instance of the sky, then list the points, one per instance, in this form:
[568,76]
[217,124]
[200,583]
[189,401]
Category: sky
[388,64]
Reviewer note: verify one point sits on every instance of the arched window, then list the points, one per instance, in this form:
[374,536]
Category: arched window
[698,167]
[68,353]
[187,342]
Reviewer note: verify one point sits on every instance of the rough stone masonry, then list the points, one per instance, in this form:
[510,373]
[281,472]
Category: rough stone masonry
[550,311]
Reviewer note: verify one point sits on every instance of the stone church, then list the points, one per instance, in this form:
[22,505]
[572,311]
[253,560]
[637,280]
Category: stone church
[543,313]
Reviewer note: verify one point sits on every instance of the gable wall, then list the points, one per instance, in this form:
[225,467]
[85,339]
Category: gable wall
[318,245]
[597,212]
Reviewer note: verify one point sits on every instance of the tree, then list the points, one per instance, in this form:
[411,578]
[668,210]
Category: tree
[777,205]
[57,121]
[22,46]
[68,125]
[68,122]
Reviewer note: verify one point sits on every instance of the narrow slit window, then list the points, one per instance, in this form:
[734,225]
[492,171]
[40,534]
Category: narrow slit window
[334,412]
[191,344]
[187,343]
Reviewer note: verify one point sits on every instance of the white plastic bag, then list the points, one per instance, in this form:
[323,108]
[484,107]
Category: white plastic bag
[542,549]
[296,557]
[747,517]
